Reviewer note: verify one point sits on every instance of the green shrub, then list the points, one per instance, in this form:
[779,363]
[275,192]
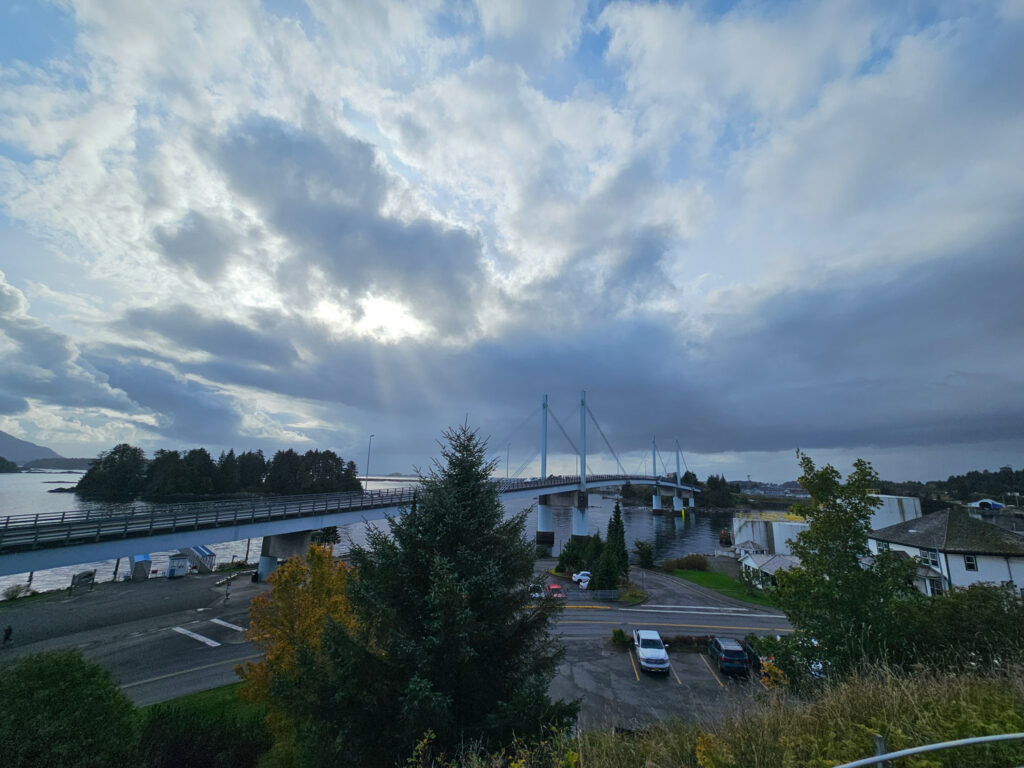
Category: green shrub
[631,593]
[620,639]
[57,709]
[694,563]
[15,591]
[644,553]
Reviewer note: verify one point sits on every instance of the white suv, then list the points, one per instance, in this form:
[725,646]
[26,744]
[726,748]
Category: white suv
[650,651]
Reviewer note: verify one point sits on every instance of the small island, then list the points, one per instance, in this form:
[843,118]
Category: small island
[8,466]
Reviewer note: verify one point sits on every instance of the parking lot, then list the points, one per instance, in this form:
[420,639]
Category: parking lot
[615,693]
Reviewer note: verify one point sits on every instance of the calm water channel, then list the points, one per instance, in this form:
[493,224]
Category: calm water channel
[672,534]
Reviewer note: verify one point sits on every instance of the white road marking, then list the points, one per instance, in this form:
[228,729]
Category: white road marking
[194,636]
[228,624]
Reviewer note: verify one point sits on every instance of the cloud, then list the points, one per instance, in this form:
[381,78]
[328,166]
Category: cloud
[40,364]
[326,198]
[225,339]
[199,242]
[752,227]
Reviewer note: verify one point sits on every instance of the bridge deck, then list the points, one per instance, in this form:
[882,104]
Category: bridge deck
[164,524]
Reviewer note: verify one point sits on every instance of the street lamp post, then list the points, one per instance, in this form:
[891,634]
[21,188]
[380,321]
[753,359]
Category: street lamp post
[366,470]
[507,449]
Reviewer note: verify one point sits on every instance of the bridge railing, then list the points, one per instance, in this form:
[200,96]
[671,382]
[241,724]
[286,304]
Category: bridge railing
[55,529]
[19,532]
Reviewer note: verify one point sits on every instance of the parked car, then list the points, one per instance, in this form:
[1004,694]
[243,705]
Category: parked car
[728,655]
[536,591]
[582,579]
[556,590]
[650,651]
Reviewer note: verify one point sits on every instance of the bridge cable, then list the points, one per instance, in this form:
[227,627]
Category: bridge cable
[510,435]
[663,464]
[601,431]
[566,434]
[525,464]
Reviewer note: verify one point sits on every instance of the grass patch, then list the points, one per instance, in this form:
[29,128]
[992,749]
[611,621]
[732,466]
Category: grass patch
[214,727]
[215,699]
[724,585]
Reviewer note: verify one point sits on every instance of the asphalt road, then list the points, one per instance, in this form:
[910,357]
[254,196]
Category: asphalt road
[163,639]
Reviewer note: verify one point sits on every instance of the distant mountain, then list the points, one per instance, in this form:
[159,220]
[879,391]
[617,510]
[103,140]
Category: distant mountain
[20,451]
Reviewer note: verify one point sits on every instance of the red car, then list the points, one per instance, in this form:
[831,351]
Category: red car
[556,590]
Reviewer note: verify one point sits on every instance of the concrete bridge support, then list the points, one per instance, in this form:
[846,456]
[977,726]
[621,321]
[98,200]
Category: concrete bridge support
[545,522]
[677,503]
[282,545]
[580,521]
[656,498]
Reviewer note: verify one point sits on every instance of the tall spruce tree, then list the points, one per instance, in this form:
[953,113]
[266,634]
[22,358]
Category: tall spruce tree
[617,541]
[446,639]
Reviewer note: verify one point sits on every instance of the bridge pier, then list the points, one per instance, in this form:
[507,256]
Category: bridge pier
[545,522]
[677,503]
[656,498]
[281,545]
[580,519]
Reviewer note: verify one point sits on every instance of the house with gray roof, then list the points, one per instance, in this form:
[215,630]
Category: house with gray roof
[960,549]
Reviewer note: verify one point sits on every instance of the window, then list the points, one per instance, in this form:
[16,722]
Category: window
[971,562]
[883,546]
[936,586]
[930,557]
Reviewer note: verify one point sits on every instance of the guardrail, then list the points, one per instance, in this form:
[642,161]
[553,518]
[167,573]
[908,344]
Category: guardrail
[59,529]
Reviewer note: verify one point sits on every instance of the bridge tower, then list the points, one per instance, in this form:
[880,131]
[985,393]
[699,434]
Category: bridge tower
[579,510]
[656,498]
[677,497]
[545,518]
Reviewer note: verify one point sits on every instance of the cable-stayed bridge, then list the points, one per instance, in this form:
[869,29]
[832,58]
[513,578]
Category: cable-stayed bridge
[51,540]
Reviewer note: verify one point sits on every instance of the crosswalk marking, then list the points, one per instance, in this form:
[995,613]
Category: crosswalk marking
[194,636]
[228,624]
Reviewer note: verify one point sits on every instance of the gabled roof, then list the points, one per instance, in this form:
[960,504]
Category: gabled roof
[771,564]
[953,531]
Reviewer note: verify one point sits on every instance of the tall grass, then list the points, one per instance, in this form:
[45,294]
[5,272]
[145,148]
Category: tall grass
[836,725]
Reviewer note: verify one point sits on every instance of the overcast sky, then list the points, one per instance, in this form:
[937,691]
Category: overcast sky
[750,226]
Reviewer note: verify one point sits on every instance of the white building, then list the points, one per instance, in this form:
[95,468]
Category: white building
[774,530]
[960,549]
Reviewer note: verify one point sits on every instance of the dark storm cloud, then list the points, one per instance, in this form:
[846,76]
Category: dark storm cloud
[226,339]
[931,356]
[325,197]
[198,242]
[184,409]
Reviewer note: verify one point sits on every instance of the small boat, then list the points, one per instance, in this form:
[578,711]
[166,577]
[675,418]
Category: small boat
[725,537]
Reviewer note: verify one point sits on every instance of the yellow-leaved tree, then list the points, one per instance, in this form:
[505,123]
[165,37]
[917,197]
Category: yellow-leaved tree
[289,620]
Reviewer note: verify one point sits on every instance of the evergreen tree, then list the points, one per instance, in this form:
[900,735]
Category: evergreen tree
[286,473]
[117,475]
[617,542]
[227,472]
[252,470]
[446,637]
